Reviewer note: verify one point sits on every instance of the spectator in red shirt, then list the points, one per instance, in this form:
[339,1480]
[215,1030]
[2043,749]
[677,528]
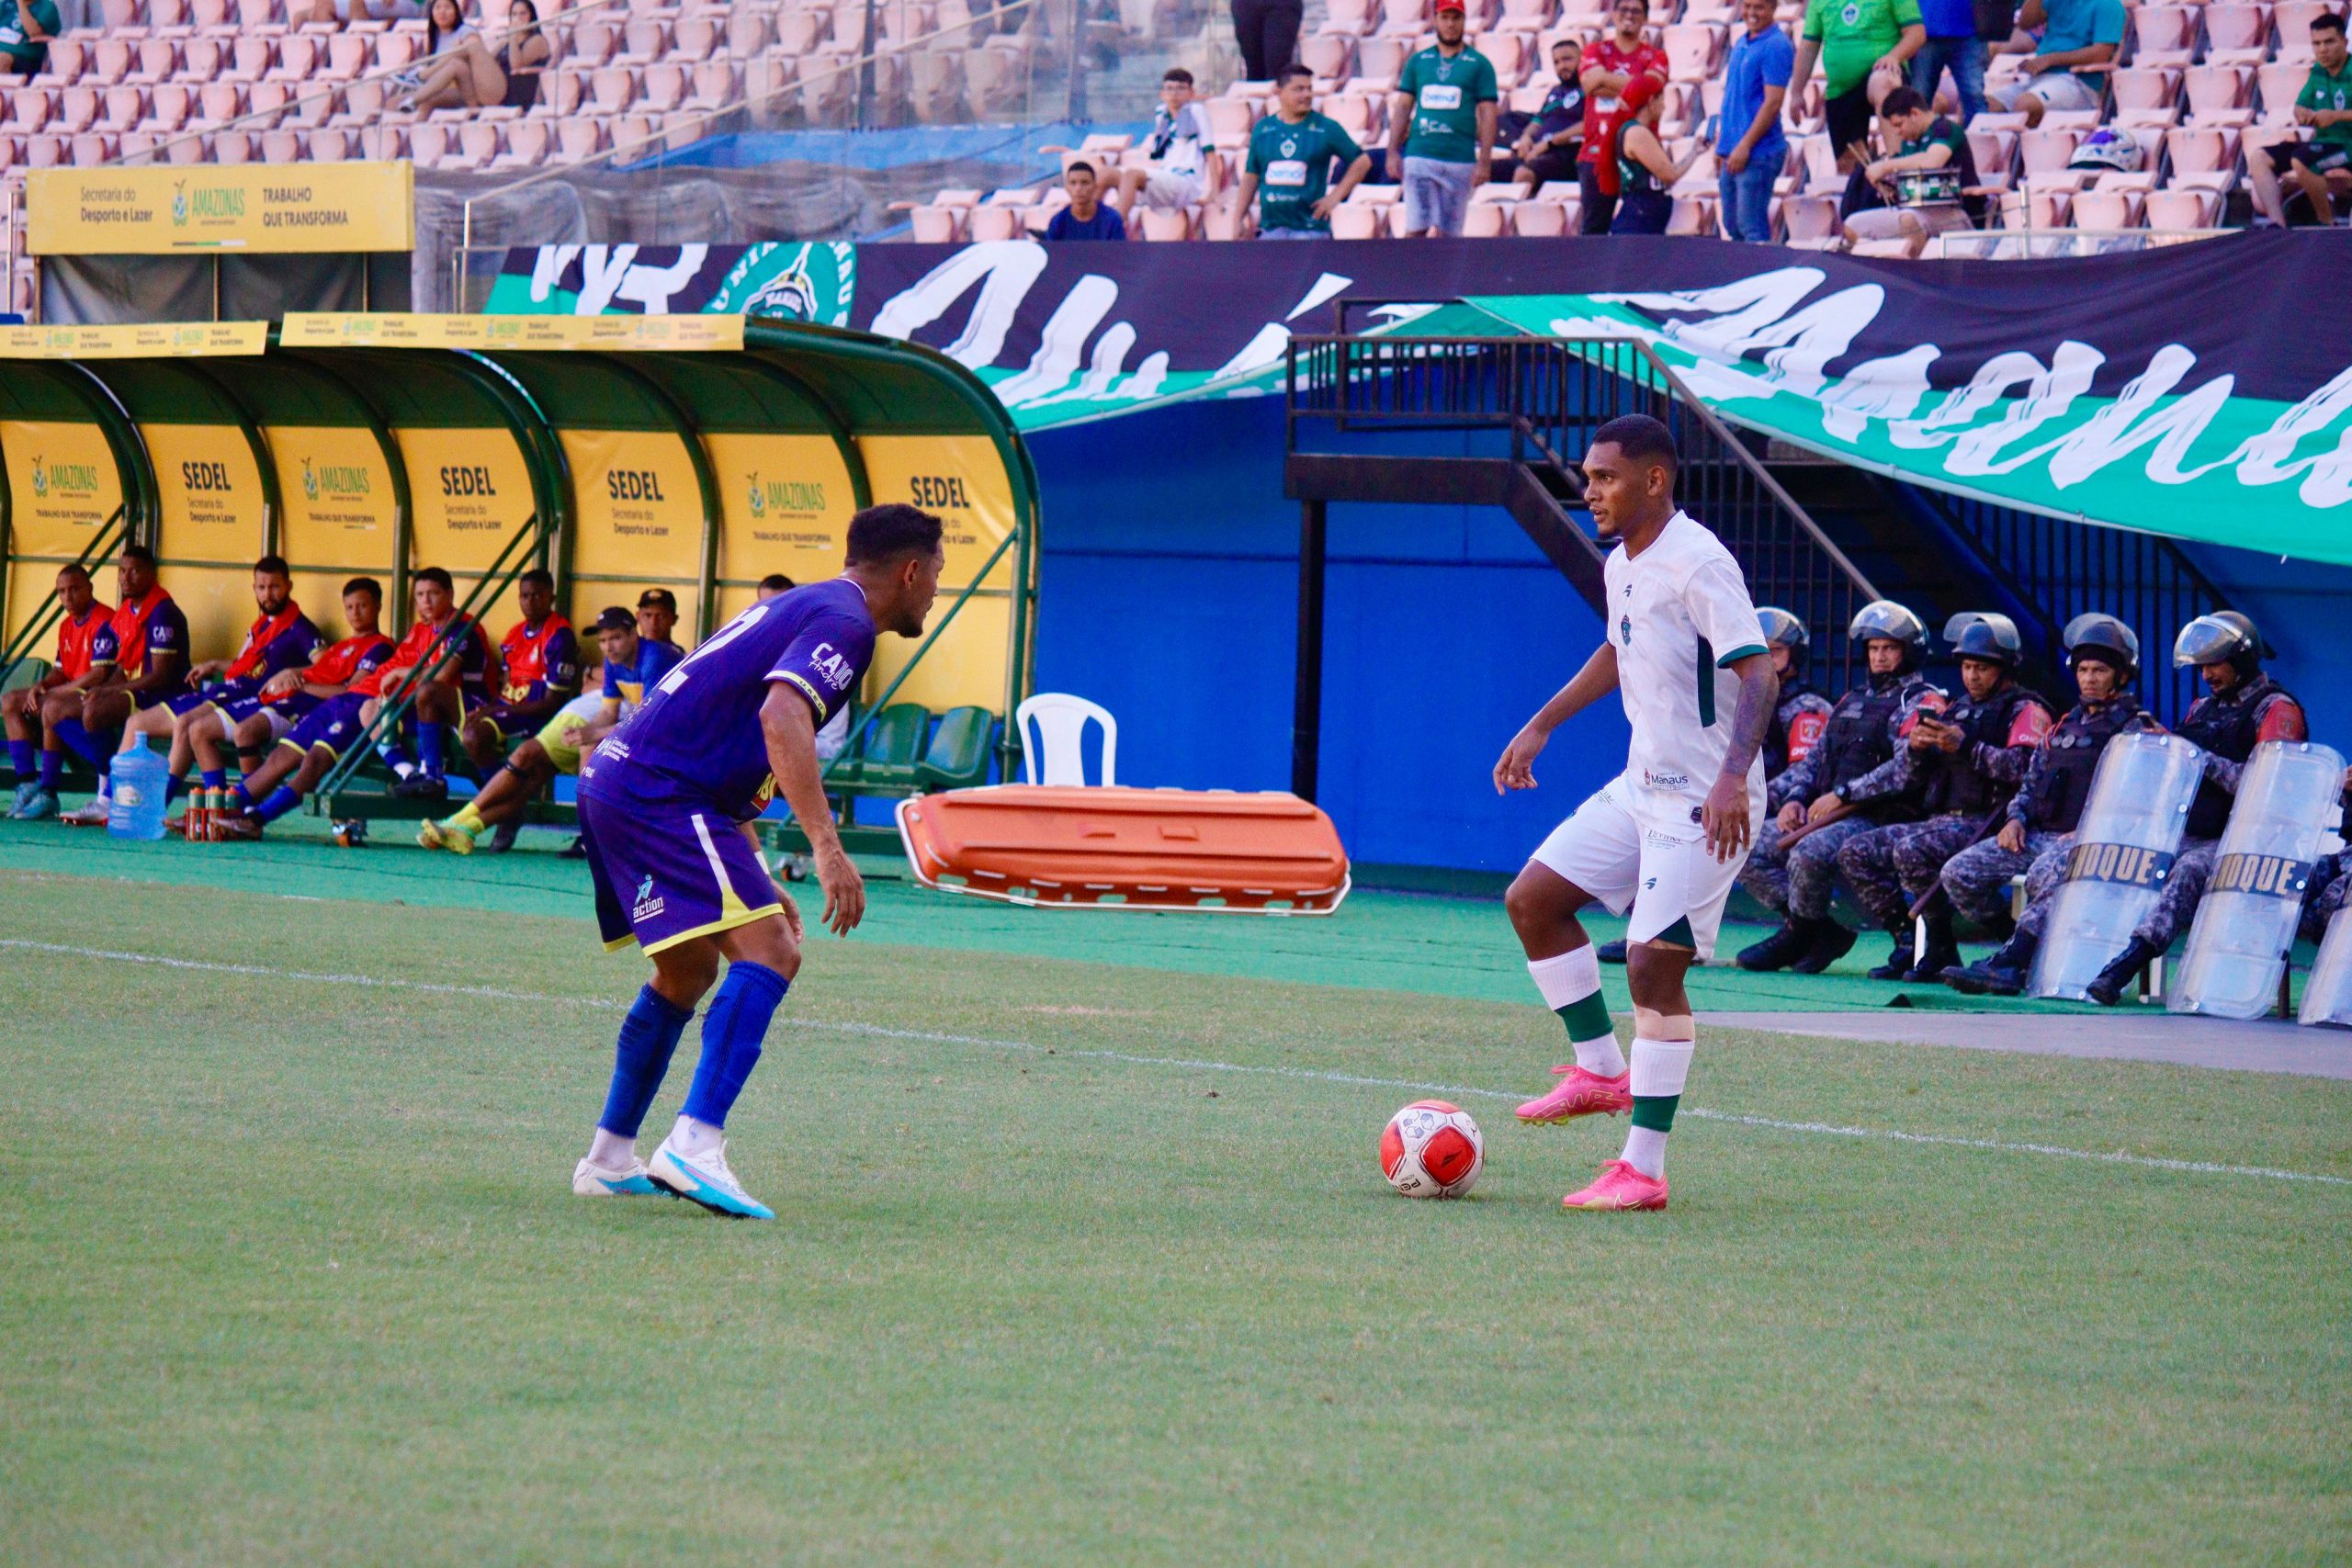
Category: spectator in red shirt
[1611,65]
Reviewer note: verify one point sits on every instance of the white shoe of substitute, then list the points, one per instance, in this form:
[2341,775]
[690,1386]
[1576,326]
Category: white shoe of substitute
[704,1179]
[590,1179]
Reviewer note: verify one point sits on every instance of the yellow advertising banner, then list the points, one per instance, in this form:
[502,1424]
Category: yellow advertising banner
[962,480]
[211,487]
[389,330]
[637,506]
[784,502]
[336,487]
[171,208]
[162,339]
[62,485]
[471,489]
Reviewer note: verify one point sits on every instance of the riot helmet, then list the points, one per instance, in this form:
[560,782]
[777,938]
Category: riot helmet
[1983,633]
[1885,620]
[2223,637]
[2102,636]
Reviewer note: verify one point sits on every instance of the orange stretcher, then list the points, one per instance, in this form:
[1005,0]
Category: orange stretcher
[1067,847]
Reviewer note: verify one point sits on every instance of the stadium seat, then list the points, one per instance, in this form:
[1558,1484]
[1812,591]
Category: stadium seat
[2237,34]
[2293,24]
[888,757]
[1056,756]
[2280,83]
[2178,208]
[2164,35]
[958,754]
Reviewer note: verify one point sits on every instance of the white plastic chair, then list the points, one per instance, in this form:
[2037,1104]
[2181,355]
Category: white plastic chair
[1057,749]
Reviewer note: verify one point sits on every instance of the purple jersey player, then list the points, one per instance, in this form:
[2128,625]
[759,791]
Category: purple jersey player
[666,804]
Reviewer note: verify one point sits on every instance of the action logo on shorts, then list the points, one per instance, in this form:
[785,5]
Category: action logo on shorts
[647,906]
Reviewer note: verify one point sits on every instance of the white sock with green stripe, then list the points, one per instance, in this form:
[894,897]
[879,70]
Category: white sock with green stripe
[1660,1066]
[1571,987]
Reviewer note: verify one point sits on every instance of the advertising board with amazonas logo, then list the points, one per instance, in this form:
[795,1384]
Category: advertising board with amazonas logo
[784,502]
[62,486]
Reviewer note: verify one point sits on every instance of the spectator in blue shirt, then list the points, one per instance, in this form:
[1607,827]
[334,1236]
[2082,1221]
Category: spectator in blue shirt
[2076,34]
[1085,218]
[1749,138]
[1952,45]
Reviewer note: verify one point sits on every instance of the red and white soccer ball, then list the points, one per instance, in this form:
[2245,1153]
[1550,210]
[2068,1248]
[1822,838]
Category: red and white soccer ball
[1432,1149]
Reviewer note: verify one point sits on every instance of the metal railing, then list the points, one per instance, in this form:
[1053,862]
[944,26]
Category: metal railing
[50,611]
[2060,569]
[1549,395]
[447,644]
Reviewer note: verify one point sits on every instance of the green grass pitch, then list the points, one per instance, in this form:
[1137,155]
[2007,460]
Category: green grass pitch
[1086,1263]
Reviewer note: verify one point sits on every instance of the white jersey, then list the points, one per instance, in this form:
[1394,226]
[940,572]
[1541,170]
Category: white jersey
[1678,613]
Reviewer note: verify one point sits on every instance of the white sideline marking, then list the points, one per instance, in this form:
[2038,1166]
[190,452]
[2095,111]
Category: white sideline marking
[1189,1064]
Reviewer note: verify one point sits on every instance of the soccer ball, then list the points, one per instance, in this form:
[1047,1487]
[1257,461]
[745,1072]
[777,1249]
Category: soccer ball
[1432,1149]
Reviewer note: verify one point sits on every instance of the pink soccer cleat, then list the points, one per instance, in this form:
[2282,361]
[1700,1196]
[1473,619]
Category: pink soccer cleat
[1620,1186]
[1580,1093]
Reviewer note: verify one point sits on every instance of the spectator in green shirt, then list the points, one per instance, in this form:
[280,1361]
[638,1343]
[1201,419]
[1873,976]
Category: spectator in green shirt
[2320,160]
[1286,184]
[1442,125]
[24,32]
[1862,45]
[2075,34]
[1917,183]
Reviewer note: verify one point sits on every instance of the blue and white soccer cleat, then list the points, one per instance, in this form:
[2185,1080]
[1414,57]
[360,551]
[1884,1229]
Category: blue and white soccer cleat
[592,1181]
[704,1180]
[39,804]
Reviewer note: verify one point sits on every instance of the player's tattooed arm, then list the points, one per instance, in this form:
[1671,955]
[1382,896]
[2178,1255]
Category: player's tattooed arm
[1724,816]
[789,728]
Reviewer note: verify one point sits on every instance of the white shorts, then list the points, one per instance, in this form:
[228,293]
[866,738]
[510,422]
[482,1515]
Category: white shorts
[2063,91]
[1675,888]
[1171,190]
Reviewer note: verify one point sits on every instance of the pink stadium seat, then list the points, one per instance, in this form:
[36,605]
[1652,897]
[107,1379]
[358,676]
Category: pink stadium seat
[2236,34]
[221,100]
[747,32]
[280,147]
[159,61]
[297,57]
[798,33]
[1382,56]
[330,146]
[643,40]
[569,92]
[45,152]
[2105,207]
[210,15]
[2202,150]
[1328,55]
[166,13]
[849,26]
[232,147]
[2146,87]
[695,38]
[77,108]
[1548,217]
[250,62]
[2294,19]
[427,143]
[2045,151]
[2166,34]
[528,141]
[138,147]
[123,108]
[611,91]
[2280,85]
[580,139]
[382,141]
[202,58]
[718,85]
[1357,221]
[664,88]
[1693,51]
[30,108]
[94,149]
[2179,208]
[348,55]
[108,63]
[1404,18]
[479,142]
[2217,89]
[1349,18]
[269,98]
[592,45]
[170,107]
[185,150]
[120,13]
[1995,152]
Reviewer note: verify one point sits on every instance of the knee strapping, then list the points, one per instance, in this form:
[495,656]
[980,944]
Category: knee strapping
[1651,1025]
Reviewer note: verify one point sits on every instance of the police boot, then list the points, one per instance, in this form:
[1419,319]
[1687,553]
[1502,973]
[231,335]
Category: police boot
[2002,974]
[1777,951]
[1610,952]
[1942,952]
[1831,942]
[1898,962]
[2107,988]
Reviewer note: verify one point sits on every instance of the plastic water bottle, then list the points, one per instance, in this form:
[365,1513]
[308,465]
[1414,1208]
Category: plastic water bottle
[141,780]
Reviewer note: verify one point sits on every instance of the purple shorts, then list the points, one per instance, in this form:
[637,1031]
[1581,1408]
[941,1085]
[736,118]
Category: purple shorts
[666,872]
[334,724]
[223,696]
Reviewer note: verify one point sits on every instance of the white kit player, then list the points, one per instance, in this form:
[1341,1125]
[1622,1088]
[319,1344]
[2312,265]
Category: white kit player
[1665,838]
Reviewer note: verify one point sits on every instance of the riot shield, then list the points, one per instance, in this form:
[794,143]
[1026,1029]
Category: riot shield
[2327,995]
[2123,852]
[2245,924]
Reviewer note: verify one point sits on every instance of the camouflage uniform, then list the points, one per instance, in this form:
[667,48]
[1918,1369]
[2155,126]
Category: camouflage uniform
[2228,727]
[1859,759]
[1798,721]
[2048,804]
[1892,868]
[2331,880]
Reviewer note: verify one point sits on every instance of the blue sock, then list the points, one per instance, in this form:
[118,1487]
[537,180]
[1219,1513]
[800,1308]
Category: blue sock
[109,742]
[21,758]
[389,749]
[732,1032]
[52,770]
[84,744]
[281,800]
[215,778]
[244,801]
[648,1035]
[428,747]
[174,789]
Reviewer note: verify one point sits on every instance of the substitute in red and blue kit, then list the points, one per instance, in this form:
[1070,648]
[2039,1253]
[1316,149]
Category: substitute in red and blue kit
[666,804]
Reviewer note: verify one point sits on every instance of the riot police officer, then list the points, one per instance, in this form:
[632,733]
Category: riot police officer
[1966,762]
[2242,708]
[2105,654]
[1852,780]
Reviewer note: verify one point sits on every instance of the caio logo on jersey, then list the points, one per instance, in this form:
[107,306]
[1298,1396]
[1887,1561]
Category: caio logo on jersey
[830,664]
[934,491]
[466,479]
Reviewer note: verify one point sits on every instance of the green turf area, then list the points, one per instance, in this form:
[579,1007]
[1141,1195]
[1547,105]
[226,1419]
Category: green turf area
[1084,1262]
[1438,946]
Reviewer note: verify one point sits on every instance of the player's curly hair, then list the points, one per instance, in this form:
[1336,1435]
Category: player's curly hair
[883,533]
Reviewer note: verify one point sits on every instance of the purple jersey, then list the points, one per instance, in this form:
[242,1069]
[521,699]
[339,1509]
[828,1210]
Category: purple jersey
[697,739]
